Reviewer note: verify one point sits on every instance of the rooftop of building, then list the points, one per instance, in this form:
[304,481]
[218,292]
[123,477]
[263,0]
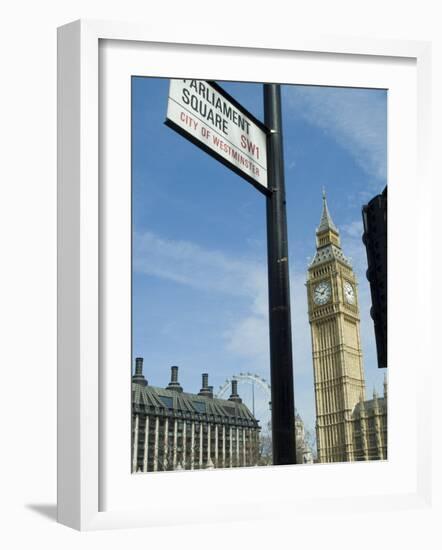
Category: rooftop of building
[370,404]
[172,400]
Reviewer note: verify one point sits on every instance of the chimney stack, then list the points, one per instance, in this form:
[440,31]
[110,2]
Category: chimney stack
[174,384]
[235,397]
[138,377]
[139,365]
[174,374]
[206,390]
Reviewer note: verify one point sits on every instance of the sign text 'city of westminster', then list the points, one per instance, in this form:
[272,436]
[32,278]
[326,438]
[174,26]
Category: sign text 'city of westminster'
[206,115]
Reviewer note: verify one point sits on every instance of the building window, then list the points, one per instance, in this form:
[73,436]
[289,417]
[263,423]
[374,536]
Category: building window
[200,406]
[168,401]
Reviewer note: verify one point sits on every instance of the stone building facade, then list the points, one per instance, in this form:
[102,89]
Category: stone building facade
[347,426]
[369,419]
[173,430]
[304,453]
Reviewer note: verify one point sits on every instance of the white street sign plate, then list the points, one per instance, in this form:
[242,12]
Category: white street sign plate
[210,118]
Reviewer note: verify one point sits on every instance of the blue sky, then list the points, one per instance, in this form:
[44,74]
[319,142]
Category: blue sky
[199,233]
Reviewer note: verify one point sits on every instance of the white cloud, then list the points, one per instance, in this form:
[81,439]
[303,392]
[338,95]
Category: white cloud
[189,264]
[248,337]
[192,265]
[353,229]
[355,118]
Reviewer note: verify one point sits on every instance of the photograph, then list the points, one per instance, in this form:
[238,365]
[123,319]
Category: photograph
[221,225]
[221,376]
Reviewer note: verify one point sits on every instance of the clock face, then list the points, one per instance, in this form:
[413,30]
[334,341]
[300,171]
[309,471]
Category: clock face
[322,293]
[349,293]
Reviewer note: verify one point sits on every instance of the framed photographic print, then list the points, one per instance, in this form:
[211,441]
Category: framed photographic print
[219,208]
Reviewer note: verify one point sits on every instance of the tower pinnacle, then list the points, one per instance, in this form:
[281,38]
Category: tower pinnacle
[328,242]
[326,223]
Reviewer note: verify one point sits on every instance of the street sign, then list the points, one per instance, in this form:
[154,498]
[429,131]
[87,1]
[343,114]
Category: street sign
[205,114]
[210,118]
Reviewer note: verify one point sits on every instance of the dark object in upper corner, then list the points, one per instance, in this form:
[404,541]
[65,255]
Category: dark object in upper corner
[374,217]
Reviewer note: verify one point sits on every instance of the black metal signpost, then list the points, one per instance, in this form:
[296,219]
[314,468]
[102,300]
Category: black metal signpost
[200,132]
[281,366]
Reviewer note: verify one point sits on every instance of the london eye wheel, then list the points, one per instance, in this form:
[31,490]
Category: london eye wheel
[256,394]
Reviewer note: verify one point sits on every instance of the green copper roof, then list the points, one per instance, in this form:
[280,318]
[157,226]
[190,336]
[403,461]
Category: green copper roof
[165,401]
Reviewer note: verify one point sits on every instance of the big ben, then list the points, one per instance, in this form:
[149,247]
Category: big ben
[333,311]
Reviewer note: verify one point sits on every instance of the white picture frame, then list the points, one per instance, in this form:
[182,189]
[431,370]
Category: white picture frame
[82,397]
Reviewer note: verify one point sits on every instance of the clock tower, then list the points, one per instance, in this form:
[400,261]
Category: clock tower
[336,344]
